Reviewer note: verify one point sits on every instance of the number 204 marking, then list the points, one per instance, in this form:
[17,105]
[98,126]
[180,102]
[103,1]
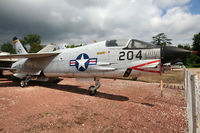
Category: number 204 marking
[129,55]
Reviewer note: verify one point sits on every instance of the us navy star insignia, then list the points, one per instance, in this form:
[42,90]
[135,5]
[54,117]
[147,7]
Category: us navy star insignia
[82,62]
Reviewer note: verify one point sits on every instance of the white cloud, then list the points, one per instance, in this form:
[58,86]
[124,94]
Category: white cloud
[177,23]
[170,3]
[98,19]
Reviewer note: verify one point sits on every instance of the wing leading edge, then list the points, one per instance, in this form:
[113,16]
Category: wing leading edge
[34,55]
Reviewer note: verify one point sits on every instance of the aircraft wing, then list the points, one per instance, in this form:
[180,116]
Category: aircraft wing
[31,55]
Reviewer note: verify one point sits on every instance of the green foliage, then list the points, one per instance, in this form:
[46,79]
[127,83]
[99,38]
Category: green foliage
[34,41]
[192,60]
[73,46]
[187,46]
[31,39]
[196,43]
[35,47]
[195,65]
[161,39]
[8,47]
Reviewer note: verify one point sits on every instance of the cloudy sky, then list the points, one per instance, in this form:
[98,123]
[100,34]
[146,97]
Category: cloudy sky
[59,21]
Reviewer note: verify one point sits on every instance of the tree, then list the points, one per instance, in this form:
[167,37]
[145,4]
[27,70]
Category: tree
[196,43]
[31,39]
[187,46]
[34,41]
[35,47]
[161,39]
[191,60]
[8,47]
[73,46]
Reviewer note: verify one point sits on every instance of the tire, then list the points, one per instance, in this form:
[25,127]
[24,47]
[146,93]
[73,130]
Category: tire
[22,84]
[1,74]
[91,91]
[134,78]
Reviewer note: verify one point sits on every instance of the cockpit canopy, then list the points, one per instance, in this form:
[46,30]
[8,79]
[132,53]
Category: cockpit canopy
[128,43]
[117,43]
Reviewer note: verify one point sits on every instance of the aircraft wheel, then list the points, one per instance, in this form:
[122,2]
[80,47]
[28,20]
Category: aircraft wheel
[92,91]
[1,74]
[23,83]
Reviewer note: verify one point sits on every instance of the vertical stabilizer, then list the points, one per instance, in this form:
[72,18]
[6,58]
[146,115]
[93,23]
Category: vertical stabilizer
[18,46]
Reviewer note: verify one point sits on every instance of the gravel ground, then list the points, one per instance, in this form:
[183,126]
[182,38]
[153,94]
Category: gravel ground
[119,106]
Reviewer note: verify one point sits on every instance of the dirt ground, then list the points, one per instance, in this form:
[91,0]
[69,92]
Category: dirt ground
[119,106]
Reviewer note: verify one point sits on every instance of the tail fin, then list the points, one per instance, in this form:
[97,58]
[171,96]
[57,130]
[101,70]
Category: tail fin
[18,46]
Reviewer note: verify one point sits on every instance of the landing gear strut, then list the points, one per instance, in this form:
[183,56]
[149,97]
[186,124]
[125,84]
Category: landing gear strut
[93,89]
[24,82]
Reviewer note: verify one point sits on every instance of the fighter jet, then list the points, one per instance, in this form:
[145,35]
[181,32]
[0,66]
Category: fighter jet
[105,59]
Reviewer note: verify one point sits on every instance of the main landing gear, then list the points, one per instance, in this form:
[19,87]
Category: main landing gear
[93,89]
[24,82]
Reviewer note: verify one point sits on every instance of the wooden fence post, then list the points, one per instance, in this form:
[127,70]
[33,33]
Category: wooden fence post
[189,102]
[193,99]
[161,87]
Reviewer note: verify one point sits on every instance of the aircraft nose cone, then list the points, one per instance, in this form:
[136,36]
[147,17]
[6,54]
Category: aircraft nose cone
[170,53]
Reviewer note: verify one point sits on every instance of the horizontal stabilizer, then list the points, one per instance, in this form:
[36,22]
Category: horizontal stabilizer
[8,60]
[32,55]
[48,48]
[7,68]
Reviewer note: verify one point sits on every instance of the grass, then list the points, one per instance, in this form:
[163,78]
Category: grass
[173,76]
[46,113]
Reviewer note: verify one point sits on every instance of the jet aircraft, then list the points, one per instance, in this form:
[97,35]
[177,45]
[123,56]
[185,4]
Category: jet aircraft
[105,59]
